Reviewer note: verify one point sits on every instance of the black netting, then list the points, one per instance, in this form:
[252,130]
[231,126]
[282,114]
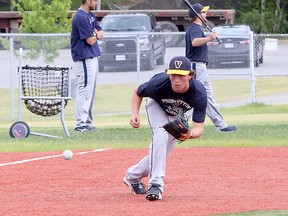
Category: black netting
[45,81]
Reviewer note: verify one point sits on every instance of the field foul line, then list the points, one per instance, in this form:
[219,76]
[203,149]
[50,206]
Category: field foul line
[48,157]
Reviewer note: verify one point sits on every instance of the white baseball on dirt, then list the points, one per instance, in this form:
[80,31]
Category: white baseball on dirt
[67,154]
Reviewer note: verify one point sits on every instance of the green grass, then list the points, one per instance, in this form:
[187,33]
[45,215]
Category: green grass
[231,90]
[258,213]
[115,99]
[258,125]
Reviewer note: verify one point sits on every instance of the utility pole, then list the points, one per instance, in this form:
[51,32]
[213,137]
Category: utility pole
[98,5]
[11,5]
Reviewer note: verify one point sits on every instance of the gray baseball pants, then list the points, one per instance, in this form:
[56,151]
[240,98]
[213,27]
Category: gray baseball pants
[153,165]
[87,71]
[212,111]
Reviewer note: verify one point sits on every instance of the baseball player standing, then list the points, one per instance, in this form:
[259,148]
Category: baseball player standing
[167,94]
[85,51]
[197,52]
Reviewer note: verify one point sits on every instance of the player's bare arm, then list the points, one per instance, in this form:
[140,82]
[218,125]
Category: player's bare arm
[91,40]
[197,130]
[97,35]
[202,41]
[136,103]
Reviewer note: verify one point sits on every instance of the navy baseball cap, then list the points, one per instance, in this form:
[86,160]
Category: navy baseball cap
[179,65]
[198,8]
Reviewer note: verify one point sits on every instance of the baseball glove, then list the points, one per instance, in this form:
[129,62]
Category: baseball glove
[178,128]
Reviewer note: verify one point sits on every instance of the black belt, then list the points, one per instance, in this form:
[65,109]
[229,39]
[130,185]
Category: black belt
[204,62]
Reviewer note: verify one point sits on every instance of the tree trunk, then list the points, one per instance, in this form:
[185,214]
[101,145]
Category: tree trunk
[262,15]
[278,14]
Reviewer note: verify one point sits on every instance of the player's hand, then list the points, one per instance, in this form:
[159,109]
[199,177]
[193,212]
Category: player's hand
[135,121]
[212,36]
[99,34]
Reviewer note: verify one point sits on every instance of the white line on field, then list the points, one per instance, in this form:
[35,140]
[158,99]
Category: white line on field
[48,157]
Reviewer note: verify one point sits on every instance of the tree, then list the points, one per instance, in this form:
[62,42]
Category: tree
[253,18]
[44,17]
[279,15]
[267,16]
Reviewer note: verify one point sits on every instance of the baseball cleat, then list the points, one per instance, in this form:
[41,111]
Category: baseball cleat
[154,193]
[229,129]
[137,188]
[81,129]
[85,129]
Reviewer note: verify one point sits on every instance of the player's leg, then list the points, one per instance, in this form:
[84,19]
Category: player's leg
[92,68]
[154,164]
[137,172]
[141,169]
[212,111]
[81,103]
[160,148]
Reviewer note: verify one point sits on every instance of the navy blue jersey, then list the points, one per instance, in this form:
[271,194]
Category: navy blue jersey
[83,26]
[159,88]
[197,54]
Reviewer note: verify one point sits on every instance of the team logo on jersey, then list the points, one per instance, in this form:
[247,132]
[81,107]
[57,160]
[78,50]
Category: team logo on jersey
[92,20]
[172,106]
[178,64]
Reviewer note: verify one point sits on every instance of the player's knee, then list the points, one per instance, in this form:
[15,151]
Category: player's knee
[160,134]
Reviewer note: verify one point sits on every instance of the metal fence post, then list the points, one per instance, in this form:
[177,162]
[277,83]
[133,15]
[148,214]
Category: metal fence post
[252,67]
[138,57]
[11,77]
[19,85]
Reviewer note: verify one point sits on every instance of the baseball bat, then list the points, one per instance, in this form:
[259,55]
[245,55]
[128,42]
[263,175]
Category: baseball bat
[204,23]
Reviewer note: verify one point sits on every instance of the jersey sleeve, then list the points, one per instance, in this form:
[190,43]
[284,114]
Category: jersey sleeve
[85,30]
[195,33]
[142,90]
[199,112]
[97,25]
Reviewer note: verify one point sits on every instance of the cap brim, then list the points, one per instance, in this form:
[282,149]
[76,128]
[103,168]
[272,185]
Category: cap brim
[178,72]
[206,8]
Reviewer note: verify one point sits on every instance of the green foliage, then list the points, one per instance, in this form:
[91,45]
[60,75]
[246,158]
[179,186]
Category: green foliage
[40,17]
[252,18]
[4,42]
[105,3]
[44,17]
[275,18]
[48,46]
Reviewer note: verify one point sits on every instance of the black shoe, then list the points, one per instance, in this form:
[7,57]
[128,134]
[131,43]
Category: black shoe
[137,188]
[81,129]
[85,128]
[229,129]
[92,128]
[154,193]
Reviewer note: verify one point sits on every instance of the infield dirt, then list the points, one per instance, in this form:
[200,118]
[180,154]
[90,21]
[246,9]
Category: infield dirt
[199,181]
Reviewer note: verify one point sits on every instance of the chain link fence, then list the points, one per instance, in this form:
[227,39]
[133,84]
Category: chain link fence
[254,74]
